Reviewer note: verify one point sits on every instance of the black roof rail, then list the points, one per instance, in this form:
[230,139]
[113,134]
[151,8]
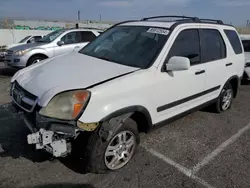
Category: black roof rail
[181,17]
[211,20]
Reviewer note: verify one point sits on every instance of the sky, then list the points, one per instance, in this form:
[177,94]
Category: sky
[236,12]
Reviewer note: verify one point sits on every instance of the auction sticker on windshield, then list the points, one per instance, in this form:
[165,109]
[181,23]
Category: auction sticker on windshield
[158,31]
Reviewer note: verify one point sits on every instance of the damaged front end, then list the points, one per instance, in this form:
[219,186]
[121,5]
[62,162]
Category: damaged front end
[48,133]
[52,135]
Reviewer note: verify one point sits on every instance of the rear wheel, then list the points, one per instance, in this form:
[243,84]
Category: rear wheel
[103,156]
[35,59]
[225,99]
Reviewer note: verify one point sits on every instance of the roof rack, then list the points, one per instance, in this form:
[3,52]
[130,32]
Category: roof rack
[211,20]
[181,18]
[185,18]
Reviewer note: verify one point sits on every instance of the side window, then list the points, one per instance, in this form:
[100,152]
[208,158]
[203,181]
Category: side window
[234,40]
[71,38]
[246,45]
[37,38]
[87,36]
[34,39]
[213,46]
[187,44]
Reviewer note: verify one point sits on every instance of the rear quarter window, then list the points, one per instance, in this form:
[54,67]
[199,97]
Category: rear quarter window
[234,40]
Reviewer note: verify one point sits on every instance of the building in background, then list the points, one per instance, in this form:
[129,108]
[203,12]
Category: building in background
[50,25]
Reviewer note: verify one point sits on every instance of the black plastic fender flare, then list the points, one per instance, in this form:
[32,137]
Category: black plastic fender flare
[108,128]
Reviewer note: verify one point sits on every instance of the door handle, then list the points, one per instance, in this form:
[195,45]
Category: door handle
[77,47]
[229,64]
[200,72]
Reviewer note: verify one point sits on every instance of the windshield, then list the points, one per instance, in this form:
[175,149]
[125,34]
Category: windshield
[135,46]
[23,40]
[51,36]
[246,45]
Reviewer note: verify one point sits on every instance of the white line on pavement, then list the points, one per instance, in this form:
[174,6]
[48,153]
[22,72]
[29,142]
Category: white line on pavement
[219,149]
[179,167]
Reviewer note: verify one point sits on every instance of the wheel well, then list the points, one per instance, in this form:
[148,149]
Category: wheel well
[40,55]
[235,84]
[143,122]
[139,114]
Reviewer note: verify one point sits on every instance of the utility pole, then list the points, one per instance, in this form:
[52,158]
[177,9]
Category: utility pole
[79,16]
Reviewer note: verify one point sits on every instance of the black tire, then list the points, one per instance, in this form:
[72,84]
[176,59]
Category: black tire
[218,106]
[34,59]
[96,147]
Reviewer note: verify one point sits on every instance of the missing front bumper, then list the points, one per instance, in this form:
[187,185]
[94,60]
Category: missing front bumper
[54,136]
[47,140]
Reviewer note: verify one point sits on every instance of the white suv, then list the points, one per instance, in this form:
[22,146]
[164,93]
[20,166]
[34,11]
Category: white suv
[135,76]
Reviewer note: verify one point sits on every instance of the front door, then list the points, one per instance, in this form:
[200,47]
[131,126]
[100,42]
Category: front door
[71,43]
[179,91]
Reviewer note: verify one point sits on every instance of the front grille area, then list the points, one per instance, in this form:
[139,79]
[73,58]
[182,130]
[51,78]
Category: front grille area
[23,98]
[9,53]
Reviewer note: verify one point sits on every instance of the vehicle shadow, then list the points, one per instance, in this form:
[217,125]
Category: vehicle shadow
[13,137]
[62,185]
[13,142]
[7,71]
[77,161]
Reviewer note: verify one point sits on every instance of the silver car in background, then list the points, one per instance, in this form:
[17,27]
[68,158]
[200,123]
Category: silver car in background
[26,40]
[56,43]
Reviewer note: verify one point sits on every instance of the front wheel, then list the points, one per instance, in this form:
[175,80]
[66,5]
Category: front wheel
[225,99]
[35,59]
[103,156]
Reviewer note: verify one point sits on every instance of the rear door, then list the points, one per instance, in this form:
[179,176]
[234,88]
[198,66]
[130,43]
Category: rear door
[86,37]
[215,61]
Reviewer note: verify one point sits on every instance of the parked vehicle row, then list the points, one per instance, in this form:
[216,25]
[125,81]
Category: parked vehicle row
[26,40]
[246,44]
[55,43]
[136,76]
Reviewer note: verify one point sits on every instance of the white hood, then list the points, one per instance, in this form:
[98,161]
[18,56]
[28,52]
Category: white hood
[67,72]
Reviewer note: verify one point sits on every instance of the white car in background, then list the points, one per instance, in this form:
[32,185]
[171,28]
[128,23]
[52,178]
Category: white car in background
[246,43]
[26,40]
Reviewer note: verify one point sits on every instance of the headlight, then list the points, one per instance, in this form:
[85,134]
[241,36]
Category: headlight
[247,65]
[3,48]
[67,105]
[20,52]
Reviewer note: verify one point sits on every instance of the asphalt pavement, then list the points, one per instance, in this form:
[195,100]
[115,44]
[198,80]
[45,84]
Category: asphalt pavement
[202,149]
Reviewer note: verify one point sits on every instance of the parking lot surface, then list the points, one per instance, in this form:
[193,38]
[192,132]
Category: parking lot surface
[202,149]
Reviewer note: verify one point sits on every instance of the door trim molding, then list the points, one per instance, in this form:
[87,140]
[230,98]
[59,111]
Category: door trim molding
[184,100]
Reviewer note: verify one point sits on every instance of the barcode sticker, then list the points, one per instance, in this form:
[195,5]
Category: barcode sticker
[158,31]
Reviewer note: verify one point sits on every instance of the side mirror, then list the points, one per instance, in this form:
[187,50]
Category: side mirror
[60,43]
[178,63]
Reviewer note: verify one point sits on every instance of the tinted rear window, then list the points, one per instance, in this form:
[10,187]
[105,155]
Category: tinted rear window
[234,40]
